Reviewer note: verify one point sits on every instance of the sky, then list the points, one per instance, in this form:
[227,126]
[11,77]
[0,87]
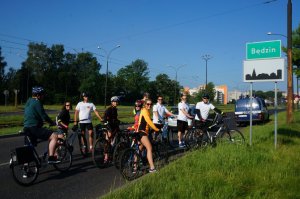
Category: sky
[169,35]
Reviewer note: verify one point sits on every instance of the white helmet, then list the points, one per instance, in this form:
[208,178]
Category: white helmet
[114,99]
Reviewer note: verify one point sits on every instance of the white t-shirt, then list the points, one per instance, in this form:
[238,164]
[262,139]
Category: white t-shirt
[204,109]
[161,111]
[182,106]
[85,109]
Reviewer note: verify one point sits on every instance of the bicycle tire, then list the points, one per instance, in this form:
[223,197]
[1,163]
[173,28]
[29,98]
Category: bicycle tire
[193,138]
[98,153]
[30,169]
[83,148]
[64,155]
[118,151]
[160,154]
[130,162]
[233,136]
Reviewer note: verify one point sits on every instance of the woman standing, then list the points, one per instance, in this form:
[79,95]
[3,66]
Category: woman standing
[143,128]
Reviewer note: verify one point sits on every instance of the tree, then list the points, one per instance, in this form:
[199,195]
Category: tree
[210,90]
[134,79]
[164,86]
[2,73]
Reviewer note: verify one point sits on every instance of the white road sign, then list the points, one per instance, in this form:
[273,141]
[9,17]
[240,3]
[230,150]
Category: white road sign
[264,70]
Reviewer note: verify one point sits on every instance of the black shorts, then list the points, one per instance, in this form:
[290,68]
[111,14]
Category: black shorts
[86,126]
[182,126]
[36,133]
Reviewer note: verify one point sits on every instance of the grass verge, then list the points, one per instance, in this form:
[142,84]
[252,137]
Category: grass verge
[257,171]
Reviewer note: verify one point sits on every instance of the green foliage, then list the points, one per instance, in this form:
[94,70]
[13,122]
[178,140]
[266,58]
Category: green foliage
[228,171]
[210,90]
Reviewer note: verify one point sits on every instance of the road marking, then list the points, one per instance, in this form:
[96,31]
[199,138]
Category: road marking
[4,164]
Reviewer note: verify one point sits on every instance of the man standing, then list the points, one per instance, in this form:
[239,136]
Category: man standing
[159,113]
[202,111]
[183,115]
[84,110]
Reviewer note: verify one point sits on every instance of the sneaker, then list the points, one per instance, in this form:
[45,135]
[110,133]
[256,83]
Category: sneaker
[181,145]
[53,160]
[152,170]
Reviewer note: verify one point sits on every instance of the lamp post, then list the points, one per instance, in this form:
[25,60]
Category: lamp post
[206,58]
[175,84]
[107,58]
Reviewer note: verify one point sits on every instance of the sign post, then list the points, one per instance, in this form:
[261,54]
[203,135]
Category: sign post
[263,64]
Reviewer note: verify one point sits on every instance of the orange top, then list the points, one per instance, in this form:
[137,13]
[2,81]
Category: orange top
[145,121]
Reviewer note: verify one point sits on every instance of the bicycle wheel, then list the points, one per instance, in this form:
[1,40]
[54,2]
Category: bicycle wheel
[130,162]
[82,144]
[117,152]
[98,152]
[25,174]
[233,136]
[160,154]
[64,155]
[193,138]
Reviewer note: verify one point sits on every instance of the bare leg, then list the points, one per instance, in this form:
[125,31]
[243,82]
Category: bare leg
[91,138]
[145,141]
[52,143]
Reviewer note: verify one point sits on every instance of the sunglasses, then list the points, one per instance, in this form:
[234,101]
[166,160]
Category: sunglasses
[68,105]
[149,104]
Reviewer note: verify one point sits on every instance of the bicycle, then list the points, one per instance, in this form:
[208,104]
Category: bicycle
[102,146]
[220,131]
[76,132]
[133,161]
[25,161]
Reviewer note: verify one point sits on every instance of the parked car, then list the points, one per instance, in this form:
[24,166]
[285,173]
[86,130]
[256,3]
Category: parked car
[172,121]
[260,112]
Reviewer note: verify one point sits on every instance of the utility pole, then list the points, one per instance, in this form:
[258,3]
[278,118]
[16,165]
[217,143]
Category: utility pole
[289,110]
[206,58]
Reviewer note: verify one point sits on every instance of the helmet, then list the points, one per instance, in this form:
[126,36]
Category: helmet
[114,99]
[37,90]
[139,103]
[205,95]
[84,94]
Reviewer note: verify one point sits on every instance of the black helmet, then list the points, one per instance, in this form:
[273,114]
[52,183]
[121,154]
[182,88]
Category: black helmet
[115,99]
[205,95]
[84,94]
[37,90]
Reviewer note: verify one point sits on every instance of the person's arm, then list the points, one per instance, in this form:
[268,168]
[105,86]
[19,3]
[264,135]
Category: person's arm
[155,112]
[97,114]
[198,113]
[60,117]
[75,116]
[185,113]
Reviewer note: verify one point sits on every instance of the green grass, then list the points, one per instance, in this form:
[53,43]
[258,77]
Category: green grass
[257,171]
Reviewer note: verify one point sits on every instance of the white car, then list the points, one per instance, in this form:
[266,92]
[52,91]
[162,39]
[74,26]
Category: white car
[172,121]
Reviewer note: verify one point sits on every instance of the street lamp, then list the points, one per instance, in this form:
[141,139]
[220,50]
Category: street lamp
[206,58]
[175,84]
[107,58]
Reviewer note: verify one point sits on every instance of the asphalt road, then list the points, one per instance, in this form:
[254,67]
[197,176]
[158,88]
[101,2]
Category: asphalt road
[84,180]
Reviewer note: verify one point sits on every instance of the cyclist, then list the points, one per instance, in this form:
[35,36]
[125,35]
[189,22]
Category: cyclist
[143,128]
[111,116]
[183,115]
[34,116]
[84,110]
[63,118]
[159,113]
[202,111]
[137,110]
